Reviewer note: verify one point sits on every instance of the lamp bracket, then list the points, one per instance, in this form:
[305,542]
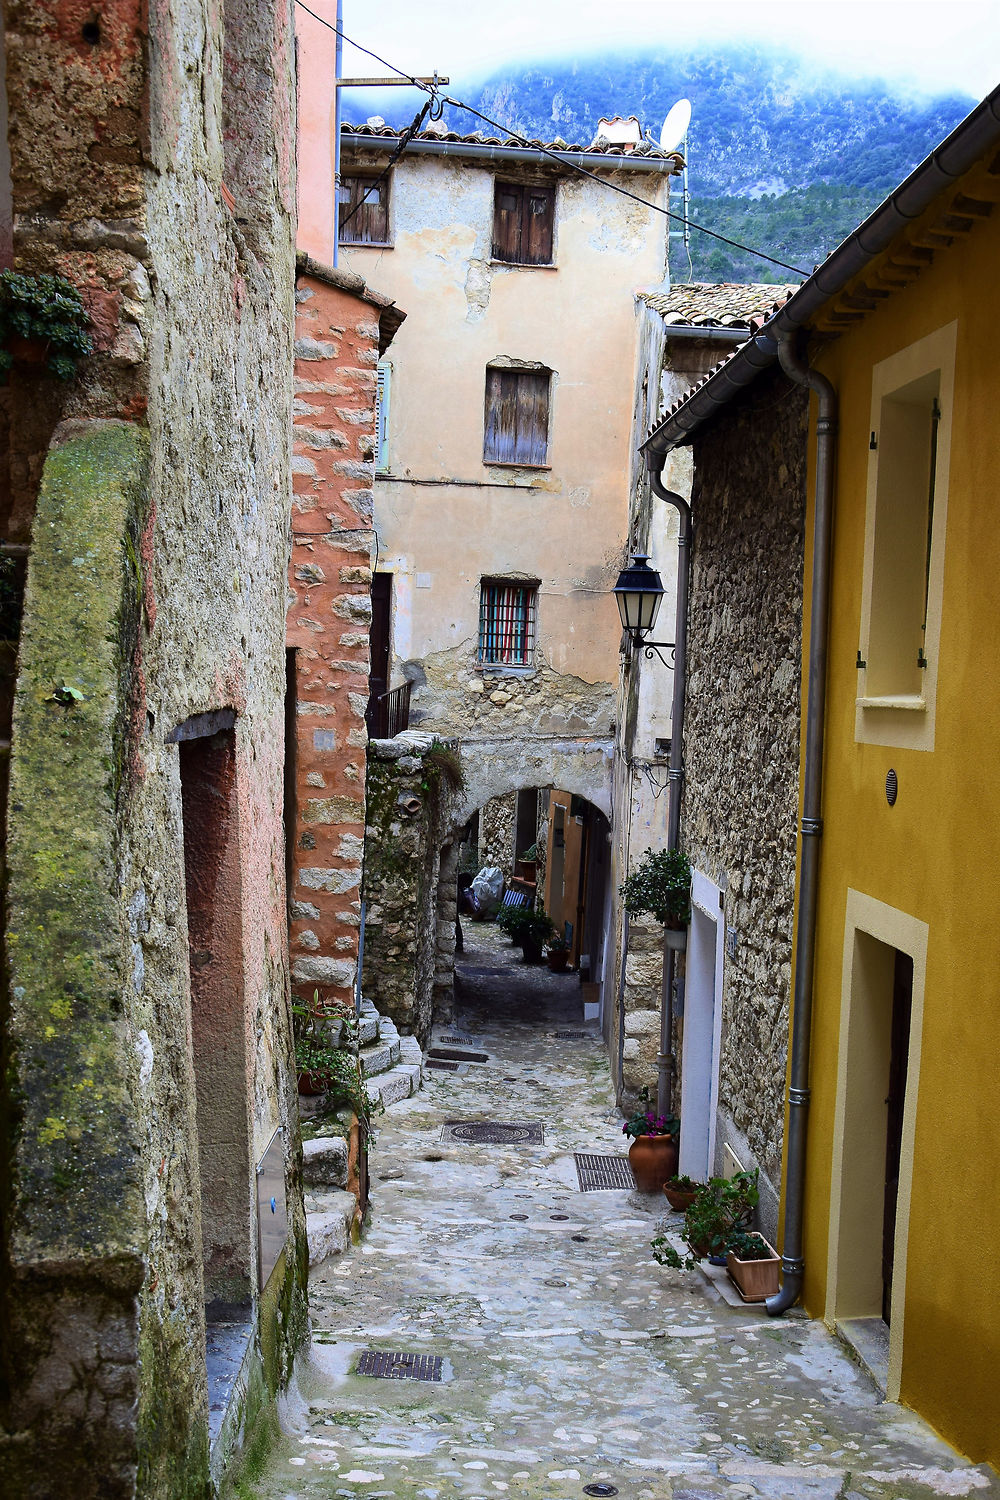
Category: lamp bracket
[652,648]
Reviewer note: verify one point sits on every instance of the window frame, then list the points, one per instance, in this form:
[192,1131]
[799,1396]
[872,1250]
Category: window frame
[363,177]
[491,603]
[383,398]
[524,414]
[523,190]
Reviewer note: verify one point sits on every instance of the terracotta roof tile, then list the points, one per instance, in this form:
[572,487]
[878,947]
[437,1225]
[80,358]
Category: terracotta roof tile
[350,133]
[726,304]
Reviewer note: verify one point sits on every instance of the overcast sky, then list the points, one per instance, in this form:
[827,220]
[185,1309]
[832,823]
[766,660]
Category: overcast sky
[938,46]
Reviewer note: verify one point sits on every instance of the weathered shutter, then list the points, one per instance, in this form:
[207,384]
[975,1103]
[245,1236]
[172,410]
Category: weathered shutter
[500,435]
[532,416]
[364,211]
[383,376]
[508,203]
[536,231]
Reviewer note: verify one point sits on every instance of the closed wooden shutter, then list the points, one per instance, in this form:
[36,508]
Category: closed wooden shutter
[364,211]
[517,416]
[383,381]
[523,217]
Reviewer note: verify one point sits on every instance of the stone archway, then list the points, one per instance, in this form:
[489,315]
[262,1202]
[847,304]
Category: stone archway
[580,766]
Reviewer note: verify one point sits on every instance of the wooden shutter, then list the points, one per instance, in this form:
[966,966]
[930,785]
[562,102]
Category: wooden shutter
[364,211]
[517,416]
[508,207]
[383,378]
[536,228]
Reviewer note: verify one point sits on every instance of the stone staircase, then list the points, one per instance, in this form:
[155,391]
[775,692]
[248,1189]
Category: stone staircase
[392,1065]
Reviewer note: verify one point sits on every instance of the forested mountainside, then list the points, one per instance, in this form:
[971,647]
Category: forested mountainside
[782,158]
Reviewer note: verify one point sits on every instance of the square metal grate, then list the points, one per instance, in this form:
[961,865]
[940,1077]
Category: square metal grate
[601,1174]
[455,1054]
[460,1041]
[444,1067]
[392,1365]
[492,1133]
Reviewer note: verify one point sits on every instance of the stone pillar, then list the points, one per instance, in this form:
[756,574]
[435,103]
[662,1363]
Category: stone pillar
[443,998]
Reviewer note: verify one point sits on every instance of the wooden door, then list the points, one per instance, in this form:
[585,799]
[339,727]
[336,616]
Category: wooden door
[899,1046]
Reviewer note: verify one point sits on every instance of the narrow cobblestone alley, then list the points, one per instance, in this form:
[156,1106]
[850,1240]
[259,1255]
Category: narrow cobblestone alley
[569,1358]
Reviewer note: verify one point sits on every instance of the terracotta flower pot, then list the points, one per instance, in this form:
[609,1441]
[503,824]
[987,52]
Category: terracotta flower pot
[755,1280]
[558,960]
[679,1199]
[313,1082]
[28,353]
[653,1158]
[532,950]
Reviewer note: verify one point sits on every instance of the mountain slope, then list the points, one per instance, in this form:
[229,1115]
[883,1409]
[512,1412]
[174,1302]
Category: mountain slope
[783,158]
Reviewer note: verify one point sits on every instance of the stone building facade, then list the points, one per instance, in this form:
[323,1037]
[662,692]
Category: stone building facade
[152,1299]
[739,812]
[342,327]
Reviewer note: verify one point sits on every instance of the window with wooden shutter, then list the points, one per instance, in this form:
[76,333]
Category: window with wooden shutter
[506,623]
[523,217]
[516,429]
[364,210]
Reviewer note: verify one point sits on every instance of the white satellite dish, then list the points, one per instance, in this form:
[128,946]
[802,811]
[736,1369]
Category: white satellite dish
[675,126]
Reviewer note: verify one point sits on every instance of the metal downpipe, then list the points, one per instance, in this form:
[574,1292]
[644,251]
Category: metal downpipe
[797,368]
[675,772]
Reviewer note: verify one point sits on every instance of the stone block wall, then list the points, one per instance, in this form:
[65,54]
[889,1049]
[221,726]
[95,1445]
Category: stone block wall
[340,327]
[641,1009]
[154,492]
[407,904]
[496,833]
[739,814]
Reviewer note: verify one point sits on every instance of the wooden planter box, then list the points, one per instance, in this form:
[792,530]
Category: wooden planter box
[756,1280]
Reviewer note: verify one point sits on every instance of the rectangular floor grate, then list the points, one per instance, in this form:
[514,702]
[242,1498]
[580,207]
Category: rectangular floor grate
[453,1054]
[492,1133]
[444,1067]
[601,1174]
[385,1365]
[576,1036]
[460,1041]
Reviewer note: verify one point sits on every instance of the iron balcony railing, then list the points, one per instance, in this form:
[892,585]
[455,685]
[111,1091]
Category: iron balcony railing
[388,714]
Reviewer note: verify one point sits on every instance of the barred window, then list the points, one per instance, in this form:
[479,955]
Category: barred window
[506,623]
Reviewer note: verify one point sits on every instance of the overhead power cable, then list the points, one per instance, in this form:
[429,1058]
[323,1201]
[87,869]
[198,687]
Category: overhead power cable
[404,141]
[562,159]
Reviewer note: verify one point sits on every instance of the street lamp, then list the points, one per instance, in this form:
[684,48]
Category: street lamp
[639,591]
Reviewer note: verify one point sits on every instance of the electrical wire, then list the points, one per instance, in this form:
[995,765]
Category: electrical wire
[562,160]
[404,141]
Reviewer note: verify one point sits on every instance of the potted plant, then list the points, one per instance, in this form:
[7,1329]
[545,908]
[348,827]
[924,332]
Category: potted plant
[661,885]
[42,322]
[653,1152]
[753,1264]
[318,1055]
[527,862]
[511,920]
[680,1192]
[720,1210]
[533,935]
[557,953]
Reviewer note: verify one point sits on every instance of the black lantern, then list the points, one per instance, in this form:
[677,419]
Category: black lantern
[638,592]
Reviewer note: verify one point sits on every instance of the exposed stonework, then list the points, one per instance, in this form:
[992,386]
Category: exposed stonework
[452,696]
[496,832]
[409,817]
[340,326]
[738,816]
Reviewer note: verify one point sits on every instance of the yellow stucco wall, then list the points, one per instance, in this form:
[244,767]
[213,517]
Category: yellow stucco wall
[933,858]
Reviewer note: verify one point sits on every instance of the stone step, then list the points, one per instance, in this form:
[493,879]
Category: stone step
[324,1161]
[368,1029]
[379,1057]
[328,1227]
[399,1083]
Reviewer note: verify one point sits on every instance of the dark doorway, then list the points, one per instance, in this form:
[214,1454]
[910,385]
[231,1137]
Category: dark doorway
[378,677]
[218,1021]
[899,1046]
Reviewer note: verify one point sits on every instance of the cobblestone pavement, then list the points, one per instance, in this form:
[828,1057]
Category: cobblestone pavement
[569,1358]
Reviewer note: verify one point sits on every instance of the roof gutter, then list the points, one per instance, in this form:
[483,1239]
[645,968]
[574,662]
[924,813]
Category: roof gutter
[482,152]
[708,335]
[978,133]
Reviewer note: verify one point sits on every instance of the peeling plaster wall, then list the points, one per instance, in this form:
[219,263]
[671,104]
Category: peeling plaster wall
[445,520]
[154,489]
[740,803]
[336,351]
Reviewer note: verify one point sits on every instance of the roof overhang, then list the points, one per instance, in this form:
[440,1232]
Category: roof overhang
[978,134]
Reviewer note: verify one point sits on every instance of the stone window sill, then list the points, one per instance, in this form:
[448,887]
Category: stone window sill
[491,669]
[911,702]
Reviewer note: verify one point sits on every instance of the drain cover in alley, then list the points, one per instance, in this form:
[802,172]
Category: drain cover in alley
[395,1366]
[492,1133]
[445,1067]
[452,1054]
[599,1174]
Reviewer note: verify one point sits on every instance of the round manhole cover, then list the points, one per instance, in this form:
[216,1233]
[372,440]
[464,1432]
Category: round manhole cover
[556,1282]
[517,1216]
[558,1216]
[599,1489]
[580,1239]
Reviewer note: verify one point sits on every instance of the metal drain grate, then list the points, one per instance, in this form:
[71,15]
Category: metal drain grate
[601,1174]
[383,1365]
[460,1041]
[575,1036]
[452,1054]
[445,1067]
[492,1133]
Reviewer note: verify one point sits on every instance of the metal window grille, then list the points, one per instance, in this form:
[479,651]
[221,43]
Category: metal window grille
[506,624]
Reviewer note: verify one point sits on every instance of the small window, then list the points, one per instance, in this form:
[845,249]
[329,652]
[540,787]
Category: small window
[382,391]
[517,416]
[506,623]
[364,210]
[523,217]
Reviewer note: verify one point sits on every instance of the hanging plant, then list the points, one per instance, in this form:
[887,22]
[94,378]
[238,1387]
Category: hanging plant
[660,885]
[42,319]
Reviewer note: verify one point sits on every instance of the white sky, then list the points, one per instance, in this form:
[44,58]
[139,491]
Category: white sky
[933,44]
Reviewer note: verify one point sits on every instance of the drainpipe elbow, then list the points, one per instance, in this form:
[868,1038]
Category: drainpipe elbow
[791,1289]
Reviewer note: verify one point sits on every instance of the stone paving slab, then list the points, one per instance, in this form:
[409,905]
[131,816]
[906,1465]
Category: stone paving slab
[569,1357]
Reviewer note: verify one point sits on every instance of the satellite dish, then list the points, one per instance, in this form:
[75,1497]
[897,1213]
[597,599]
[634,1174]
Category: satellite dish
[675,126]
